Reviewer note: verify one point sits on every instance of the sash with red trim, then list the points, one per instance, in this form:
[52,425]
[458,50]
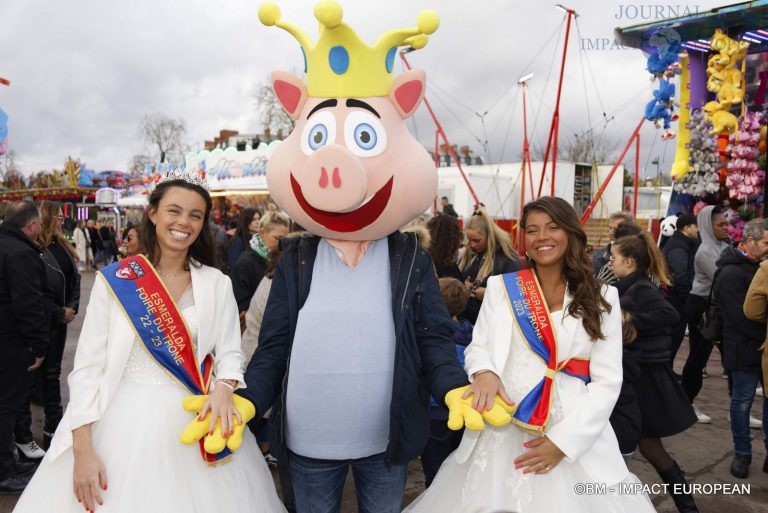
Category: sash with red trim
[529,309]
[160,327]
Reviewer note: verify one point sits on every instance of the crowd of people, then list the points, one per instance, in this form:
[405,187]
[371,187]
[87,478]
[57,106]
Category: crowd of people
[466,274]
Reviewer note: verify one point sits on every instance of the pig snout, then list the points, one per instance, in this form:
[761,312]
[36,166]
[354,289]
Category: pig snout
[333,179]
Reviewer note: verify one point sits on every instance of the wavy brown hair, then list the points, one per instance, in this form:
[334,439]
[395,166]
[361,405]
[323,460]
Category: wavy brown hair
[203,250]
[585,289]
[446,236]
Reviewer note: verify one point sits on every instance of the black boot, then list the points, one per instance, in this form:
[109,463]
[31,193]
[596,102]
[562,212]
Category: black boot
[674,477]
[765,465]
[740,465]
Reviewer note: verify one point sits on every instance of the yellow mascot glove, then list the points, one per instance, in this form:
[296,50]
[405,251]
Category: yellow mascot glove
[461,413]
[215,443]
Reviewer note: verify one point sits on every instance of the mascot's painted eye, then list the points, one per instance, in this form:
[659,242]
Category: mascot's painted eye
[318,136]
[364,134]
[319,131]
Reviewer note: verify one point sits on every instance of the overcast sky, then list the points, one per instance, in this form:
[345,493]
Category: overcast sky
[84,72]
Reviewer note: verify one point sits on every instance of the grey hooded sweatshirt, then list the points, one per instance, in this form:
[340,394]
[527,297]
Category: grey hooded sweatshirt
[707,254]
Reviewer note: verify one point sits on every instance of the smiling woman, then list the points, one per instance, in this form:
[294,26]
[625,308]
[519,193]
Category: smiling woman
[548,341]
[159,326]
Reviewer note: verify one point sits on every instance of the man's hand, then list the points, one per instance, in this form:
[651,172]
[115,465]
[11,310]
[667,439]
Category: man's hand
[69,314]
[37,364]
[462,413]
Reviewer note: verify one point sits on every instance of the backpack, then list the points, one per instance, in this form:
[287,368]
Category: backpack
[711,322]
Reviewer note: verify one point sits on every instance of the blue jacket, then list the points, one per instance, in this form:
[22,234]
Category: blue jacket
[425,357]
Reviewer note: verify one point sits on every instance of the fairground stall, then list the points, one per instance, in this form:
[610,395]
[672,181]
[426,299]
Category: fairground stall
[712,72]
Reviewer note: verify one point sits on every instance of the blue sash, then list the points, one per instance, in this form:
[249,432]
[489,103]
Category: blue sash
[160,327]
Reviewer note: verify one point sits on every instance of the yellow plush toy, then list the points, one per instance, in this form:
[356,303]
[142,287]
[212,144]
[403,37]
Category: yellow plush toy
[198,429]
[461,413]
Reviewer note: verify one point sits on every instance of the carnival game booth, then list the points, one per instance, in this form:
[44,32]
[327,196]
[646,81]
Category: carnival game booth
[715,65]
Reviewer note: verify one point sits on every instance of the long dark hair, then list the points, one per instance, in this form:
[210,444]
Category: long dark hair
[585,289]
[446,236]
[243,231]
[201,251]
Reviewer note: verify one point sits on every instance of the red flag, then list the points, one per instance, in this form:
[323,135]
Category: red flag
[5,81]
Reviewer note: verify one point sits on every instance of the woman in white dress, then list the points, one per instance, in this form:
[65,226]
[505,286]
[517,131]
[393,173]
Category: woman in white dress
[559,453]
[117,448]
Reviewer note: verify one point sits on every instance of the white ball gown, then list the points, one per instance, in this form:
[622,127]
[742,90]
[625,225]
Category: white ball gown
[148,469]
[487,481]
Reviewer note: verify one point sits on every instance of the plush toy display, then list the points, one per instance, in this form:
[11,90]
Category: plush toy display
[724,78]
[663,61]
[668,226]
[704,160]
[661,108]
[745,178]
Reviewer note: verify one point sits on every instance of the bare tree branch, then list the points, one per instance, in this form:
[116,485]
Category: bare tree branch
[164,133]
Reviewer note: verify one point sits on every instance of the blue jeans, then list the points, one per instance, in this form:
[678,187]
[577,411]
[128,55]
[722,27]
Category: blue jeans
[318,484]
[744,384]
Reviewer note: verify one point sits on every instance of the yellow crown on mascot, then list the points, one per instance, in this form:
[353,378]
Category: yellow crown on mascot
[340,64]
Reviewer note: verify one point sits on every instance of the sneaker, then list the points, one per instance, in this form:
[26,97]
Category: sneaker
[704,373]
[753,422]
[271,460]
[759,391]
[702,419]
[31,450]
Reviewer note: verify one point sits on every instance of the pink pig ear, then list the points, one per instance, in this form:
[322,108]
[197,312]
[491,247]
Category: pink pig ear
[407,91]
[290,91]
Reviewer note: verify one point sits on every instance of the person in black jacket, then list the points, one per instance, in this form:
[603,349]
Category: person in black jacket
[679,252]
[23,323]
[664,407]
[489,253]
[62,297]
[742,338]
[250,266]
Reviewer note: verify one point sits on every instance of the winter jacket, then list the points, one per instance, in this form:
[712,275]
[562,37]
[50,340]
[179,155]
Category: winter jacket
[501,265]
[246,275]
[679,252]
[707,255]
[756,307]
[652,315]
[742,338]
[425,357]
[23,319]
[68,266]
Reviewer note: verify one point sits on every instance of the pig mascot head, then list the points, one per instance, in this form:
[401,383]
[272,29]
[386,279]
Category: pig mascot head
[350,169]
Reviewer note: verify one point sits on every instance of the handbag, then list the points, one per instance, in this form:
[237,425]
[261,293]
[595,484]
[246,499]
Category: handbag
[711,322]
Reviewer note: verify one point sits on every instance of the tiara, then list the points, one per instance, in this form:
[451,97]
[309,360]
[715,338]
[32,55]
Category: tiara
[339,63]
[188,176]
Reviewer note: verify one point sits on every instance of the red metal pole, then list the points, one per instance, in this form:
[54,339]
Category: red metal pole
[607,180]
[440,131]
[637,175]
[526,161]
[556,116]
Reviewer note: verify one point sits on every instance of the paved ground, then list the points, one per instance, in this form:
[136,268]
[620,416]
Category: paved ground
[703,451]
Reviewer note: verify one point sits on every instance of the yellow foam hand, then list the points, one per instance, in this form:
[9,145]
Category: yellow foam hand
[461,413]
[215,443]
[247,412]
